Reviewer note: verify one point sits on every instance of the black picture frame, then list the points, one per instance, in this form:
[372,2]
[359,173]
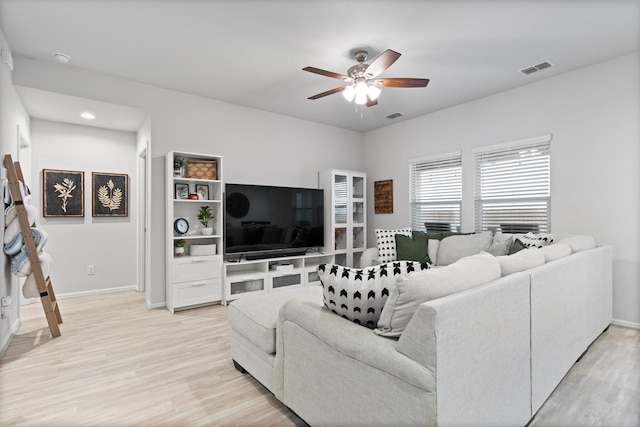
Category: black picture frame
[62,193]
[181,191]
[110,194]
[202,190]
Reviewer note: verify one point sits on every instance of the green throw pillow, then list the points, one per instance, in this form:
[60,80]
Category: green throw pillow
[412,248]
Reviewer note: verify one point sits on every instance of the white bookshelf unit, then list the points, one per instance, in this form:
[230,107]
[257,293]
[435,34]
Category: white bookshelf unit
[195,277]
[345,207]
[268,275]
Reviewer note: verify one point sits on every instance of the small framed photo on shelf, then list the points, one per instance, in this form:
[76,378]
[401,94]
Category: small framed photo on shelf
[182,191]
[203,191]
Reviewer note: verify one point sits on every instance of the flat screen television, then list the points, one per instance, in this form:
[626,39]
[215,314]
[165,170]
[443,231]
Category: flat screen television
[264,221]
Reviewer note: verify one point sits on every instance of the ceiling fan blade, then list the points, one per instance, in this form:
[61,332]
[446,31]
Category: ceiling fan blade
[326,73]
[329,92]
[382,62]
[402,82]
[371,102]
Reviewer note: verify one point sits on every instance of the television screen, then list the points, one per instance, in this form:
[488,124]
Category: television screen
[265,221]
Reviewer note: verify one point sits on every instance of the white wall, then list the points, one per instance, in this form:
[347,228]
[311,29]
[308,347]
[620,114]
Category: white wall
[593,114]
[12,115]
[258,147]
[110,244]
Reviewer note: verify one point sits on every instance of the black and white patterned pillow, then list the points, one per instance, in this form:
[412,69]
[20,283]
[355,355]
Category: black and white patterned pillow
[386,241]
[531,240]
[359,294]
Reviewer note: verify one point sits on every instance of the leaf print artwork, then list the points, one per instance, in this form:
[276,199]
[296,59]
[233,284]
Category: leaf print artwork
[109,196]
[64,191]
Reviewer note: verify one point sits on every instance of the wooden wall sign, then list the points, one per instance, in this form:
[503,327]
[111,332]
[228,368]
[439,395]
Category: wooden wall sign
[383,196]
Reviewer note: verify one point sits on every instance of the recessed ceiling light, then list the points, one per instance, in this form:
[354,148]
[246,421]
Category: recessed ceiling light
[87,115]
[62,58]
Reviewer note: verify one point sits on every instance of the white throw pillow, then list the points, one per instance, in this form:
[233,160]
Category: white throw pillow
[531,240]
[414,289]
[432,250]
[555,251]
[386,240]
[359,294]
[521,260]
[455,247]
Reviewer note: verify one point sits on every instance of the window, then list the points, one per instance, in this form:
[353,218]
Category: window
[436,192]
[513,187]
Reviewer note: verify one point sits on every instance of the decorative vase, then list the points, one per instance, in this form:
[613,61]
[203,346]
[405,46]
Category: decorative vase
[207,231]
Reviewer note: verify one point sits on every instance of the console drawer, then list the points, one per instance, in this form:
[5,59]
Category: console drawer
[196,268]
[197,292]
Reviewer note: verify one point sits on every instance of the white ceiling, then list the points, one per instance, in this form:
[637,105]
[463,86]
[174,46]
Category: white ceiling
[251,52]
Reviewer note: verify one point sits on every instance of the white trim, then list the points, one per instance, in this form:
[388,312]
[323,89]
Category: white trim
[625,324]
[512,144]
[7,342]
[436,157]
[97,292]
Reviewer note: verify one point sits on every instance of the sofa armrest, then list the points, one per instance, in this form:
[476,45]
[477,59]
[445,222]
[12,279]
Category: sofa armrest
[477,343]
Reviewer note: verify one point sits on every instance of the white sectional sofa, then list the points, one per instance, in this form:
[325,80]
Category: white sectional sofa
[488,355]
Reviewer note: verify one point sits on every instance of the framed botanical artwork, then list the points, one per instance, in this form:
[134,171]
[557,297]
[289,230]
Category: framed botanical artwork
[203,191]
[110,194]
[62,193]
[182,191]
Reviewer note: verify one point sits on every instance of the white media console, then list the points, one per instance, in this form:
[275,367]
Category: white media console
[242,278]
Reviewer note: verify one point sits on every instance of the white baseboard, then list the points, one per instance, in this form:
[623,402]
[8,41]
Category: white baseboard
[97,292]
[156,305]
[7,340]
[626,324]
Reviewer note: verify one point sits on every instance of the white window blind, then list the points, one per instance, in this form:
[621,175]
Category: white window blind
[436,193]
[513,187]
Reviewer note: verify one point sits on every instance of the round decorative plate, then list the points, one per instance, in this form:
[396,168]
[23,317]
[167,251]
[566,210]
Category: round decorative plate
[237,205]
[181,225]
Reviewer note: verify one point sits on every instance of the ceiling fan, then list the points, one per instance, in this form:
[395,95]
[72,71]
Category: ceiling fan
[363,86]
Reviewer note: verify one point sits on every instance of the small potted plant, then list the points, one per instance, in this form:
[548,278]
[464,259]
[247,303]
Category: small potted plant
[204,216]
[178,246]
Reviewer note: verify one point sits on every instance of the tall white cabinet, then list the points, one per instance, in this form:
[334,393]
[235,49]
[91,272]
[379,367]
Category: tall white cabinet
[194,277]
[345,204]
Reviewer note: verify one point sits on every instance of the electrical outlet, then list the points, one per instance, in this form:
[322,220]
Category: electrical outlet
[91,269]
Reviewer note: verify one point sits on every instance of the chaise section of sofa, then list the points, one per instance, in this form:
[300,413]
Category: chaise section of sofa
[462,360]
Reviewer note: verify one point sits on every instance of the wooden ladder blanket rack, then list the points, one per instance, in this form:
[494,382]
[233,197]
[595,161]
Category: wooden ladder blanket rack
[45,287]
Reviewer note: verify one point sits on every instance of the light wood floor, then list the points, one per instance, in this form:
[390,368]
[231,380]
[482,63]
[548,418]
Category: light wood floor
[118,364]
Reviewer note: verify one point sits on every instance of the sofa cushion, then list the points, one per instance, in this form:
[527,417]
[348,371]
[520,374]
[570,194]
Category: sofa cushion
[412,248]
[555,251]
[255,317]
[520,261]
[500,244]
[359,294]
[452,248]
[411,290]
[579,242]
[386,240]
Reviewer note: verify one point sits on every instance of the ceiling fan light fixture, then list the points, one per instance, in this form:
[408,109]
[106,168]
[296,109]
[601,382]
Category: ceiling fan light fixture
[373,92]
[349,93]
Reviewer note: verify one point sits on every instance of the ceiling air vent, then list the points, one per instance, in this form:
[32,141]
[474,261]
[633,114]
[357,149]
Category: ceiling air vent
[538,67]
[394,116]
